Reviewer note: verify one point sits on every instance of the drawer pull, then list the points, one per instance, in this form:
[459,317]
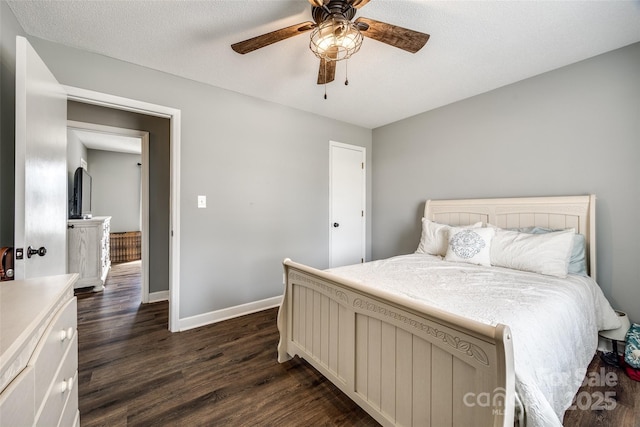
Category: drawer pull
[67,385]
[66,334]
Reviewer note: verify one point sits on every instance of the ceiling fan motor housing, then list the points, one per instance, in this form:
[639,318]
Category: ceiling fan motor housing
[340,8]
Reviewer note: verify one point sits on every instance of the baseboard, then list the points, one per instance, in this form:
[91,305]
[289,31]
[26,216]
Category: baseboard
[228,313]
[159,296]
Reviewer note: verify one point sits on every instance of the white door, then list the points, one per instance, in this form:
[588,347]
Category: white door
[40,169]
[347,204]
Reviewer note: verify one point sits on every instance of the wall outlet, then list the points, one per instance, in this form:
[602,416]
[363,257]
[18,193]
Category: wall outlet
[202,202]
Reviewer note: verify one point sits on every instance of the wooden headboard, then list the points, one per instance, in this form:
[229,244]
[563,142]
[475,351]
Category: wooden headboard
[577,212]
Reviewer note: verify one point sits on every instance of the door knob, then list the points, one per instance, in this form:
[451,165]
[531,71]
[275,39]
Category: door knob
[336,225]
[42,251]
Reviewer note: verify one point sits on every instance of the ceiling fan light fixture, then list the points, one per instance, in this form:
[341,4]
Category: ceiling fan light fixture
[335,39]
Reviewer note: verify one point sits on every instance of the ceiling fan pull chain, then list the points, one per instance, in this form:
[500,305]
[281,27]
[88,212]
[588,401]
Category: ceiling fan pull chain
[346,72]
[325,79]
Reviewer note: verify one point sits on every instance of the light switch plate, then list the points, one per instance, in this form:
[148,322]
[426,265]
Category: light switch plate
[202,202]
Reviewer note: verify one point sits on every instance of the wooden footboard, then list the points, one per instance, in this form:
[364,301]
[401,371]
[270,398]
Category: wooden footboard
[404,363]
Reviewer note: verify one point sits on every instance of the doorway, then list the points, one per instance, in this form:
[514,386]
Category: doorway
[122,140]
[173,233]
[347,201]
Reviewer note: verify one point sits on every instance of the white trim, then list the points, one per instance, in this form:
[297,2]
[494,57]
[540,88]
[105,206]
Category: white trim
[110,130]
[144,178]
[363,152]
[174,116]
[174,221]
[158,296]
[120,103]
[228,313]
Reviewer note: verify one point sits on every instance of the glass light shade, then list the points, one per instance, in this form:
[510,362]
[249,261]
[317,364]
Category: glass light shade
[335,39]
[620,333]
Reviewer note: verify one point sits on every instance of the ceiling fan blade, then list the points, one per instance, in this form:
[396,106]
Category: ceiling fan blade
[403,38]
[358,3]
[327,71]
[258,42]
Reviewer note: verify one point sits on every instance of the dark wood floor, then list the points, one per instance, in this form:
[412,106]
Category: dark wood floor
[608,398]
[133,371]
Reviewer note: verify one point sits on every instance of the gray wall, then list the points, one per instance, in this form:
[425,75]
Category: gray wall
[159,157]
[263,167]
[574,130]
[116,188]
[9,29]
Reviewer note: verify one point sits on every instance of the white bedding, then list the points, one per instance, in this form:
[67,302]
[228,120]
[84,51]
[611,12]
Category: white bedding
[554,322]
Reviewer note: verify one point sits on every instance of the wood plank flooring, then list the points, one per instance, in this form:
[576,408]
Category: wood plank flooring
[604,387]
[133,371]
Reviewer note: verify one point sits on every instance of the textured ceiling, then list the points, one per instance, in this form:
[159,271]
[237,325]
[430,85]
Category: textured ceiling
[475,46]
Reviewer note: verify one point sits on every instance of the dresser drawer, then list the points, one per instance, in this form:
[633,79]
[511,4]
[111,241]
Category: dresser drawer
[63,390]
[16,401]
[55,342]
[70,415]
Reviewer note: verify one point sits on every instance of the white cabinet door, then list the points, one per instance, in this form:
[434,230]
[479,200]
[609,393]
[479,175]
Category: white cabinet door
[347,204]
[41,166]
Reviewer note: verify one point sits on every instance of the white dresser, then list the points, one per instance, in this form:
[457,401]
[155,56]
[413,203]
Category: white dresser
[88,250]
[39,352]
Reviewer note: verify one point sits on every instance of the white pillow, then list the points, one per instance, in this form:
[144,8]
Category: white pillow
[470,245]
[433,240]
[539,253]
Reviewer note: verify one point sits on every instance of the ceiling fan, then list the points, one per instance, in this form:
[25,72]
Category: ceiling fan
[336,37]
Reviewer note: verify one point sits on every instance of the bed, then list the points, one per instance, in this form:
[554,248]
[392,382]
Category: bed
[423,339]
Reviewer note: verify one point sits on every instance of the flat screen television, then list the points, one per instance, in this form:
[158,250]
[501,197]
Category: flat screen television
[81,198]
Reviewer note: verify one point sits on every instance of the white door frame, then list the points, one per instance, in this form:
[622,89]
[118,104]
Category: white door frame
[174,116]
[144,181]
[363,151]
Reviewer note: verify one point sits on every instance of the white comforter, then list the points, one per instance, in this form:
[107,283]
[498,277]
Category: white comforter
[554,322]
